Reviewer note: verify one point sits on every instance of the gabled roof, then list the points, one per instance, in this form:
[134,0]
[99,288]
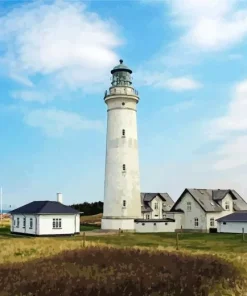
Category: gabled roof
[147,197]
[44,207]
[240,216]
[208,199]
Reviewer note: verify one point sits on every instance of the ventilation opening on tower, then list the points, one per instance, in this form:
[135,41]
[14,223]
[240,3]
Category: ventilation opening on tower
[123,133]
[124,167]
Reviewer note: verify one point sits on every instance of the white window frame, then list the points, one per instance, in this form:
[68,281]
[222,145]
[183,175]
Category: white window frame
[56,223]
[227,206]
[189,206]
[156,205]
[31,223]
[211,222]
[196,222]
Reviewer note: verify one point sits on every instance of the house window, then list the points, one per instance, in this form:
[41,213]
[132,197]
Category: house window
[124,203]
[14,221]
[166,223]
[156,206]
[56,223]
[123,104]
[123,132]
[188,206]
[24,222]
[18,222]
[124,167]
[147,216]
[154,223]
[227,206]
[212,222]
[224,223]
[196,222]
[31,223]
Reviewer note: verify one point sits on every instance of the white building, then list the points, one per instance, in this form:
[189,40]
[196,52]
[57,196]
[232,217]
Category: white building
[233,223]
[45,218]
[198,209]
[122,202]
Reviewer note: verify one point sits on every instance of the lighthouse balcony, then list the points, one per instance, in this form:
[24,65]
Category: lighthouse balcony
[121,91]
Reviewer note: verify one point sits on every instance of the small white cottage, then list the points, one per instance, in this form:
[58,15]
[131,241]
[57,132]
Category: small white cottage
[45,218]
[233,223]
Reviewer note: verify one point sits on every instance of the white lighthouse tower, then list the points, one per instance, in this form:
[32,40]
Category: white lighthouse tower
[122,203]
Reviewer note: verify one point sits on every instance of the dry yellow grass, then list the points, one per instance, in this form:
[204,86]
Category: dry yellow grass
[92,219]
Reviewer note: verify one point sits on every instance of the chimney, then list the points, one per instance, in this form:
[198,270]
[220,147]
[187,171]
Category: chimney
[60,197]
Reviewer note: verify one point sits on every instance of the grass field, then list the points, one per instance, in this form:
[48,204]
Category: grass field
[227,247]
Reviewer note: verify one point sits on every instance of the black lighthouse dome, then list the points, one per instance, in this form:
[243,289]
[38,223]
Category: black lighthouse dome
[121,75]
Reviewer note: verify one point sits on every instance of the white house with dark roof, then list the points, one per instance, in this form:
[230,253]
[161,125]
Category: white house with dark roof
[155,205]
[45,218]
[156,215]
[233,223]
[198,209]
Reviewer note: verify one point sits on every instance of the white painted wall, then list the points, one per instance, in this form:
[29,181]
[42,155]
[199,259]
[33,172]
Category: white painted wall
[188,219]
[232,227]
[115,224]
[119,185]
[149,227]
[22,229]
[69,224]
[156,213]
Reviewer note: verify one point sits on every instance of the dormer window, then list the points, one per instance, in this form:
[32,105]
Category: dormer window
[156,206]
[227,206]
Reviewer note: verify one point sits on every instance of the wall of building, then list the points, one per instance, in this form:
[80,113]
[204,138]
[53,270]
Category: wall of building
[69,224]
[227,198]
[122,185]
[150,227]
[232,227]
[156,213]
[115,224]
[27,228]
[188,219]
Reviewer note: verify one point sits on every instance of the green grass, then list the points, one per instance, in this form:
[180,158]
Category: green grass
[89,227]
[210,242]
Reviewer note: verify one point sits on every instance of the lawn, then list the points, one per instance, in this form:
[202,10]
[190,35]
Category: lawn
[227,247]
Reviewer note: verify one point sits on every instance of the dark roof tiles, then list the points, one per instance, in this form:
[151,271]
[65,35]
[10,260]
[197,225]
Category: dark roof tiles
[44,207]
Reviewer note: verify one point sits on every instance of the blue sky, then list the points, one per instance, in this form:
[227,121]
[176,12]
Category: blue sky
[189,65]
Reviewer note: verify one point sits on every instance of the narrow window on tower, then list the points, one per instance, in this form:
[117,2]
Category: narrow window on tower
[124,203]
[124,167]
[123,133]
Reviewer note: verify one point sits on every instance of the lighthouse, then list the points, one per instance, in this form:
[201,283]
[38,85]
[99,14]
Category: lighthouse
[122,202]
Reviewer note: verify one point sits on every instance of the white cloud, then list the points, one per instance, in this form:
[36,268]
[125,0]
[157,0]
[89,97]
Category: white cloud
[164,80]
[31,96]
[231,129]
[209,25]
[61,40]
[55,122]
[181,84]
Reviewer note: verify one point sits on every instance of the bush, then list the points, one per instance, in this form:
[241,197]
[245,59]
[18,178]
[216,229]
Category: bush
[107,271]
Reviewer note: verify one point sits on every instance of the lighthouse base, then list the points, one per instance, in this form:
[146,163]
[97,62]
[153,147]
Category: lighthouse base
[118,223]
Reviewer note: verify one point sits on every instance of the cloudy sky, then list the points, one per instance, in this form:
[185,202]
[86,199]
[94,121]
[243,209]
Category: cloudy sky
[189,65]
